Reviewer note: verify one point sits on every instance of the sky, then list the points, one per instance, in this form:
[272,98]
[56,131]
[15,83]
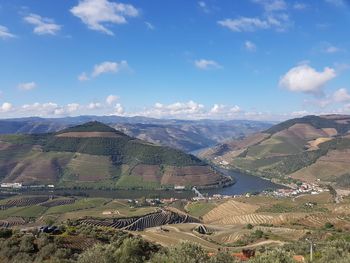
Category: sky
[186,59]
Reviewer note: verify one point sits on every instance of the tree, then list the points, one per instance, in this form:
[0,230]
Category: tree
[5,233]
[249,226]
[222,257]
[184,253]
[274,256]
[328,225]
[131,250]
[135,250]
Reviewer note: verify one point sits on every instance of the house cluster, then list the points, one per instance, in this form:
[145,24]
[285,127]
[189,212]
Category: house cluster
[11,185]
[21,186]
[296,190]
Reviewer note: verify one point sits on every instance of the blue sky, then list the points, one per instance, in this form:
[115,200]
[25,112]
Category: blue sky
[220,59]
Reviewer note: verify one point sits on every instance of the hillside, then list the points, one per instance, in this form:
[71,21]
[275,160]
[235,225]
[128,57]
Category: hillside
[96,155]
[180,134]
[312,148]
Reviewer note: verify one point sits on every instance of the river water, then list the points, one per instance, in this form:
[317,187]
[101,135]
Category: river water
[244,184]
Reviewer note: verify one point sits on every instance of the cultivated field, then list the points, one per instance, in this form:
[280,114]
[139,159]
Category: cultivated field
[232,224]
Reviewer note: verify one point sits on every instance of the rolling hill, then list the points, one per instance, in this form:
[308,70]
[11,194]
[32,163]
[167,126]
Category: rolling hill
[96,155]
[185,135]
[312,148]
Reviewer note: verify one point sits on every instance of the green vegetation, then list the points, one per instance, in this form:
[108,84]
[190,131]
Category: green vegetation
[288,207]
[250,238]
[122,149]
[81,204]
[315,121]
[85,244]
[343,180]
[280,166]
[26,212]
[87,162]
[135,182]
[249,226]
[199,209]
[93,126]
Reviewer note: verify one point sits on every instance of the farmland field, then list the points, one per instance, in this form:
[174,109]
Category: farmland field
[230,223]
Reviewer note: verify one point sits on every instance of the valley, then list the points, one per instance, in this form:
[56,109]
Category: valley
[313,149]
[185,135]
[94,155]
[268,191]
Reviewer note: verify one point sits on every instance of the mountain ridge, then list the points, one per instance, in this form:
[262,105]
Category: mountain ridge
[311,148]
[186,135]
[88,154]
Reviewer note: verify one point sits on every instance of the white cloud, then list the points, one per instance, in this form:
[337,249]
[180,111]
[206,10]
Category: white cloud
[108,67]
[299,113]
[52,109]
[189,110]
[304,78]
[203,6]
[42,25]
[72,107]
[40,109]
[48,109]
[217,108]
[205,64]
[332,49]
[244,24]
[118,109]
[250,46]
[97,13]
[299,6]
[111,99]
[103,68]
[5,33]
[341,95]
[174,110]
[83,77]
[150,26]
[27,86]
[94,106]
[272,5]
[223,111]
[178,110]
[279,22]
[338,3]
[6,107]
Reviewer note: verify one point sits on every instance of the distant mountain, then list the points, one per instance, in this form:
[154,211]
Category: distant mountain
[96,155]
[312,148]
[181,134]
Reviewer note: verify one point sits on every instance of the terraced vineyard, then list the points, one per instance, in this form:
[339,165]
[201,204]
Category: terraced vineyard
[24,201]
[284,232]
[229,209]
[158,218]
[319,220]
[12,221]
[58,202]
[95,155]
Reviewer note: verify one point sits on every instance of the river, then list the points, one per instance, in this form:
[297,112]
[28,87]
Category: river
[244,184]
